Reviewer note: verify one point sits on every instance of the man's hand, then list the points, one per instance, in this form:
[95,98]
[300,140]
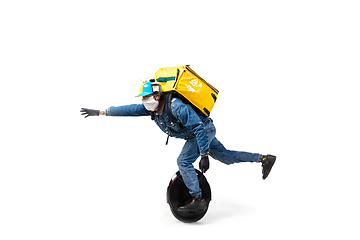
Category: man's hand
[89,112]
[204,164]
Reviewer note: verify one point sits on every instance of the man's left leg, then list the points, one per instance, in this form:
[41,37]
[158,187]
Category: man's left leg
[219,152]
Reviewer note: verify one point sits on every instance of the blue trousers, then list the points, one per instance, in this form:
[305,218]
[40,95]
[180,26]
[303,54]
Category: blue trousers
[189,154]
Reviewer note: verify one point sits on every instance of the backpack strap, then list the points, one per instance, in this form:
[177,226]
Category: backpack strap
[168,108]
[169,112]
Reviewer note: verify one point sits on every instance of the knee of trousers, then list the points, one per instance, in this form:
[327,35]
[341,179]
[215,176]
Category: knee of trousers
[184,164]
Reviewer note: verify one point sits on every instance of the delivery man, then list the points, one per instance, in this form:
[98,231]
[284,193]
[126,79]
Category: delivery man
[198,130]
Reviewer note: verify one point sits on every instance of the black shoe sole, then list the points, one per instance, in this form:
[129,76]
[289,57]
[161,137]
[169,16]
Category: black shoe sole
[268,167]
[202,206]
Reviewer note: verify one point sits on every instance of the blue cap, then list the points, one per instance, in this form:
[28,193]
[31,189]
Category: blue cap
[145,89]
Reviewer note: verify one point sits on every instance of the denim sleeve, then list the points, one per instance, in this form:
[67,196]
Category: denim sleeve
[128,110]
[189,119]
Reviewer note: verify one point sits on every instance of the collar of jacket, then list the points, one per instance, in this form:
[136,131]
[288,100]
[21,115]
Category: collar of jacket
[161,106]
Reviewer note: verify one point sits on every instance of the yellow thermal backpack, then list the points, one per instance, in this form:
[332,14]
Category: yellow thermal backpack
[189,86]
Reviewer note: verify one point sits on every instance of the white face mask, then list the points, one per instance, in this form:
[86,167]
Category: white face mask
[150,104]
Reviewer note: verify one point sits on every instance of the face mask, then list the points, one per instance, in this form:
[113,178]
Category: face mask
[150,104]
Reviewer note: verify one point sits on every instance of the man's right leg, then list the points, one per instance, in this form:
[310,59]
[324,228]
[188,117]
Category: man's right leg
[185,161]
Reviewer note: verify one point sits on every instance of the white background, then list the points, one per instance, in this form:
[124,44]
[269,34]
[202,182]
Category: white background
[288,75]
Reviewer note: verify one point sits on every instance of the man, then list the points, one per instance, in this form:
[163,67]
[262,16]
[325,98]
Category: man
[198,130]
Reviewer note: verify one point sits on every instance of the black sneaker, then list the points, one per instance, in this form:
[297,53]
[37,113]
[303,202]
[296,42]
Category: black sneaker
[195,204]
[267,163]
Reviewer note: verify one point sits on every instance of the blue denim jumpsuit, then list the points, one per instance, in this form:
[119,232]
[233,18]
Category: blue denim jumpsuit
[199,133]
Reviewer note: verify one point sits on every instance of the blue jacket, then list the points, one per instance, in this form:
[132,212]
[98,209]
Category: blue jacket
[189,124]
